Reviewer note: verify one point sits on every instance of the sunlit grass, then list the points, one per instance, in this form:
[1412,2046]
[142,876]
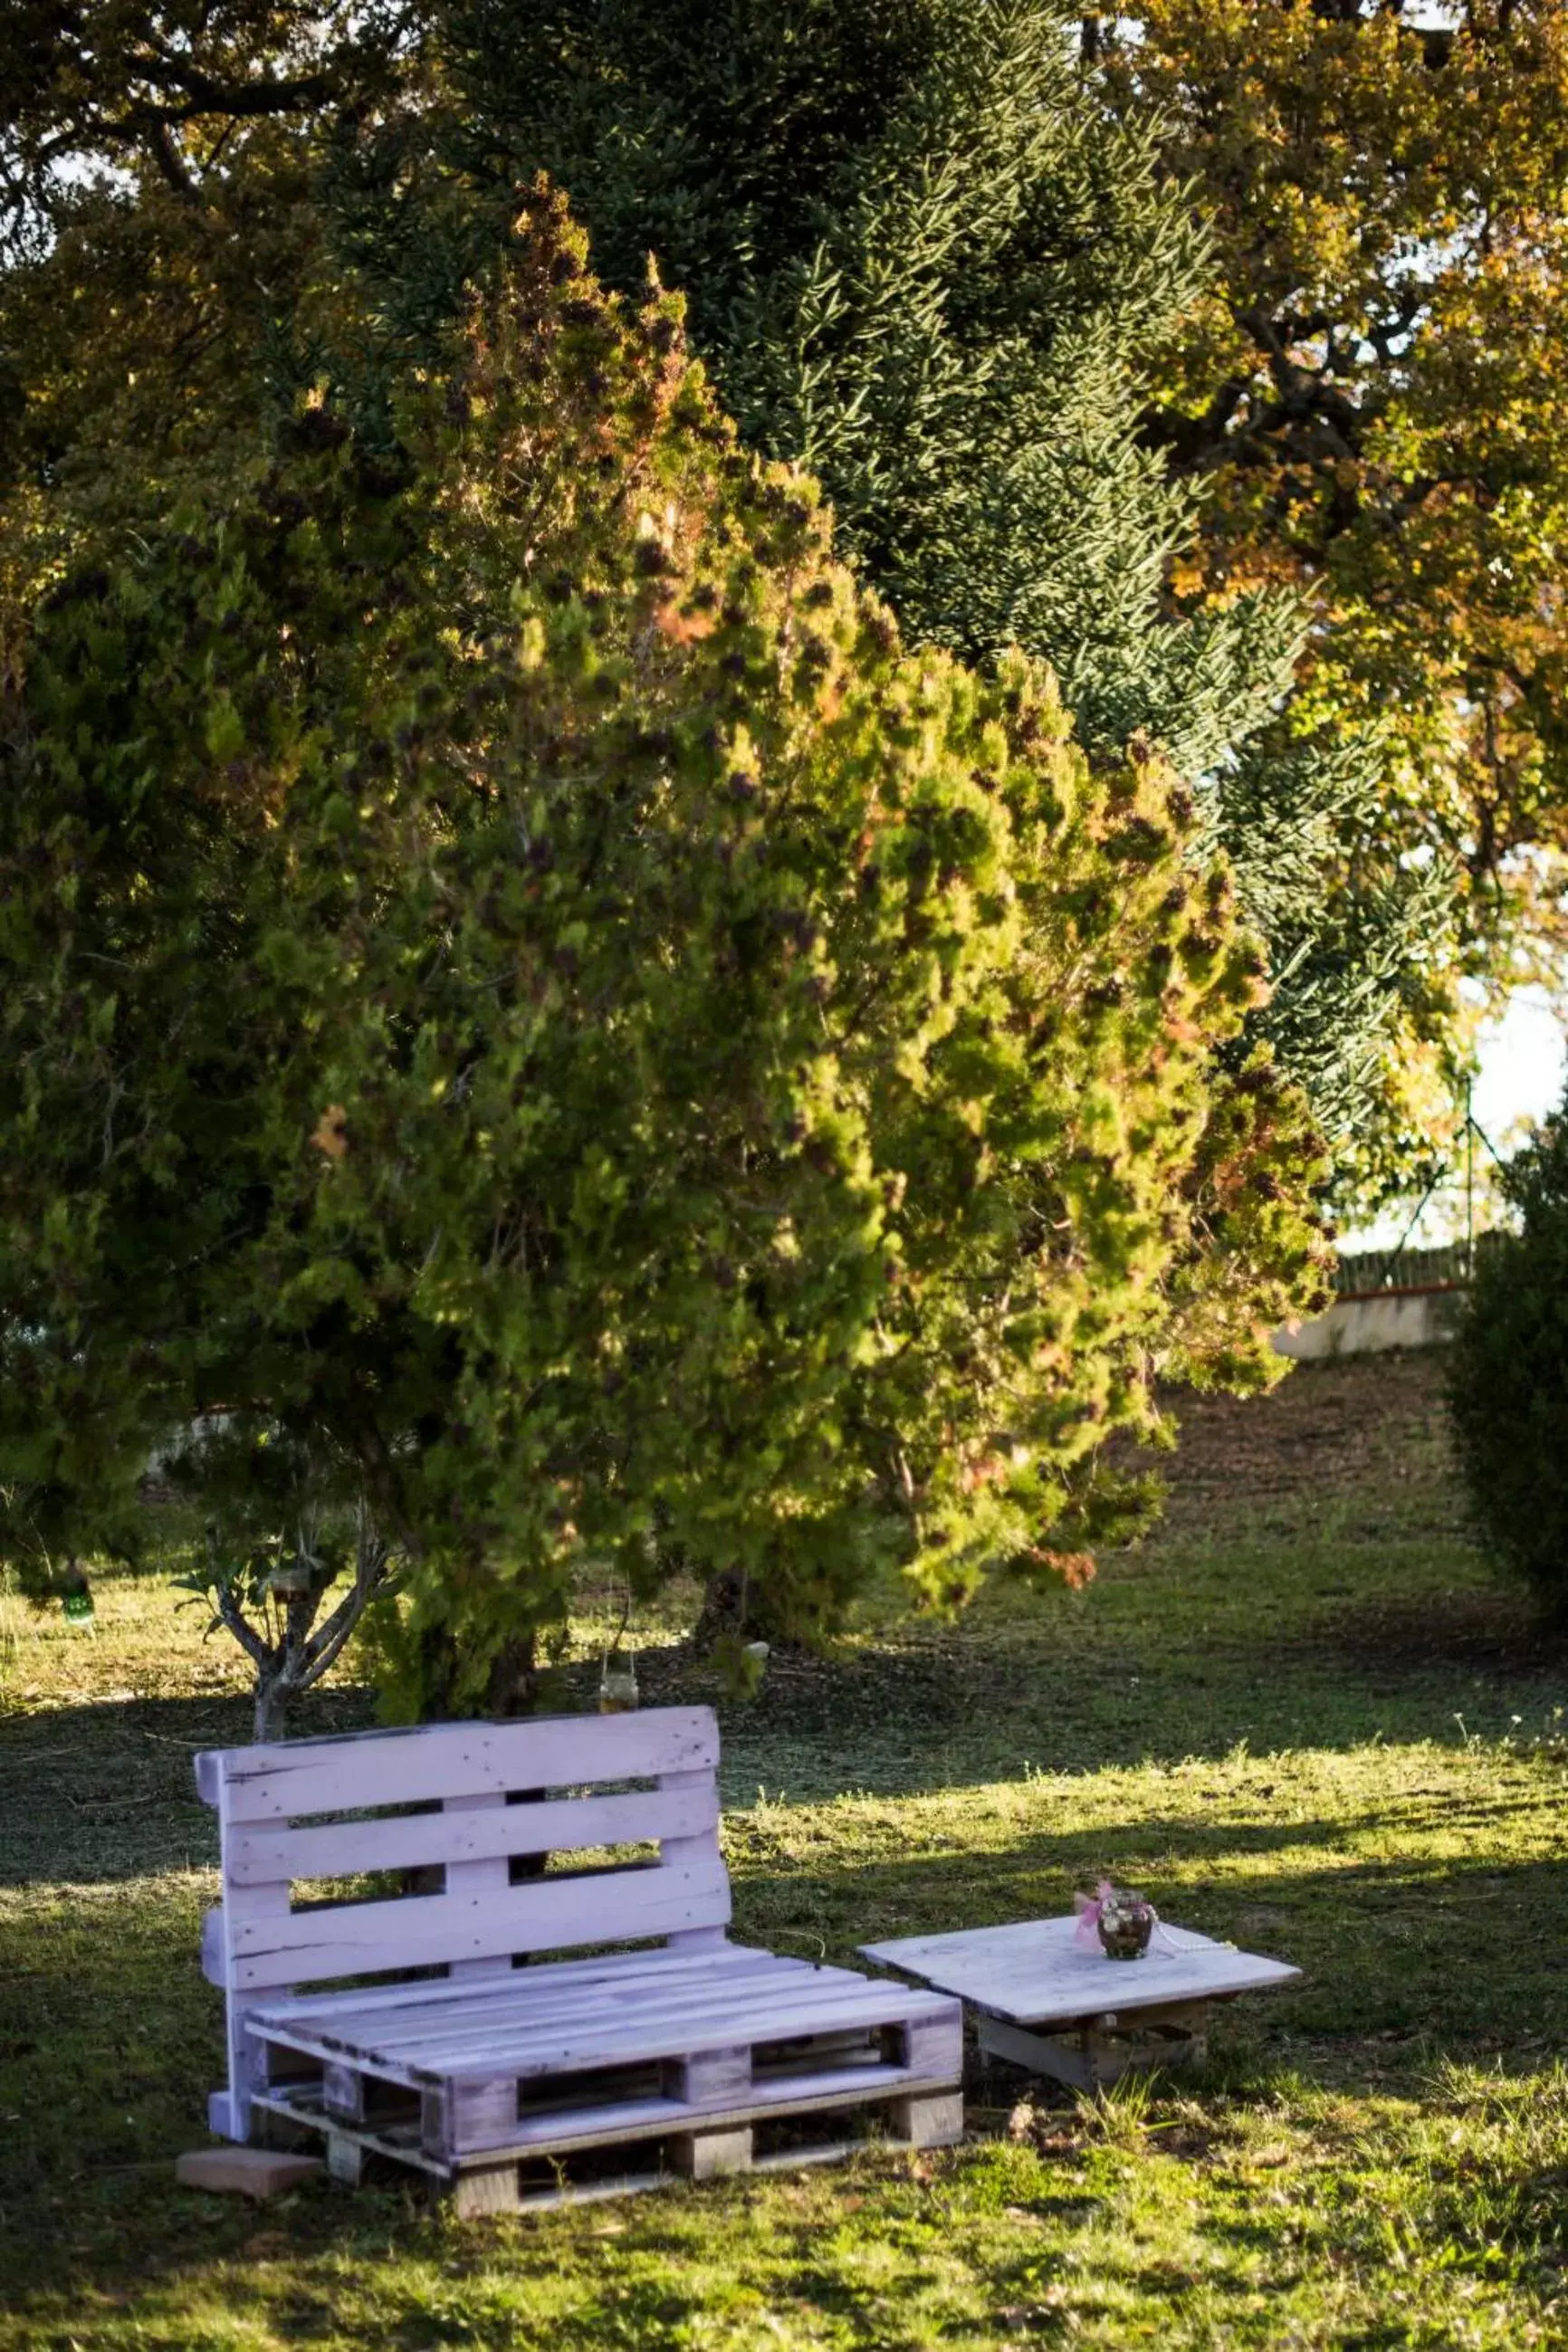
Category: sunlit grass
[1314,1722]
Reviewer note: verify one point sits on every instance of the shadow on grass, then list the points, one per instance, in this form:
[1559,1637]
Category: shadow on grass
[1461,1959]
[1500,1633]
[110,2037]
[928,1716]
[106,1790]
[94,1793]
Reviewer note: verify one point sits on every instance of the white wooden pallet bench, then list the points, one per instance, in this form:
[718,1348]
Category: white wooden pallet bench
[505,2061]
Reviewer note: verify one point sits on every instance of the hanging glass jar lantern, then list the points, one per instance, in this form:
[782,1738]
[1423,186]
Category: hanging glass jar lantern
[617,1685]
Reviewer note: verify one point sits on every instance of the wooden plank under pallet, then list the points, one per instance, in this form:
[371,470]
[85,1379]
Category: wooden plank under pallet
[1089,2058]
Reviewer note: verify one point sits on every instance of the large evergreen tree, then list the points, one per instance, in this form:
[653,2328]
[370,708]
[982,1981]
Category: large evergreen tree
[518,989]
[918,256]
[921,260]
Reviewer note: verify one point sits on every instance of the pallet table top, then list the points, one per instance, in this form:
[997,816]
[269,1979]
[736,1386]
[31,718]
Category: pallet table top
[1037,1972]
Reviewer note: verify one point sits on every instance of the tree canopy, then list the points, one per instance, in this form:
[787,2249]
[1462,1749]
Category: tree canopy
[920,257]
[515,980]
[1374,394]
[923,259]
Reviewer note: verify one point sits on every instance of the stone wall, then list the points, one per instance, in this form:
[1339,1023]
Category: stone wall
[1375,1320]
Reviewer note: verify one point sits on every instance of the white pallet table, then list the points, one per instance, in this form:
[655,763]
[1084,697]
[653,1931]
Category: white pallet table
[1050,2001]
[487,2059]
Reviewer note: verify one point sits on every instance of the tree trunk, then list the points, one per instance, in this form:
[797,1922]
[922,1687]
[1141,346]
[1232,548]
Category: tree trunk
[512,1687]
[438,1683]
[733,1606]
[271,1709]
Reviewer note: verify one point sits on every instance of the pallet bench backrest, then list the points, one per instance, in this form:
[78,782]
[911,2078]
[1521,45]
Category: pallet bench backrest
[310,1811]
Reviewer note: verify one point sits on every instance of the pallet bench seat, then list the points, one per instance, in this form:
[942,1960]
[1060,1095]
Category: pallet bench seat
[505,2062]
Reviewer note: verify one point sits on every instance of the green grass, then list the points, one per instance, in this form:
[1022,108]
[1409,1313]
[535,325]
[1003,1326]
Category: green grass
[1307,1716]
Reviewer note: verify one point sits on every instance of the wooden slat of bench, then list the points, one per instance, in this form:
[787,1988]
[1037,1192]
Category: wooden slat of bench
[360,1939]
[543,1981]
[259,1854]
[296,1779]
[614,2034]
[584,2048]
[518,1999]
[716,2002]
[413,2047]
[661,2028]
[684,2024]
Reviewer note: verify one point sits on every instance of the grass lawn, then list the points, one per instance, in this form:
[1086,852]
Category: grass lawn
[1306,1717]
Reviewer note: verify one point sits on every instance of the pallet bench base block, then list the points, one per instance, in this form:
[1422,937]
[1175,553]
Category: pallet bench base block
[935,2120]
[708,2154]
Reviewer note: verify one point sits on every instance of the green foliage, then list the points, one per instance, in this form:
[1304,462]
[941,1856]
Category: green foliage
[67,1485]
[157,159]
[514,980]
[1359,946]
[1374,392]
[1508,1383]
[922,261]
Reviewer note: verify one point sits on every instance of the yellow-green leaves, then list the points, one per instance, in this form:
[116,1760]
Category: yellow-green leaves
[1376,398]
[637,1055]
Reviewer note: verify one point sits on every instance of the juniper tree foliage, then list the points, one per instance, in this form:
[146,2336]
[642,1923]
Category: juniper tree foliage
[1359,944]
[919,256]
[515,980]
[921,264]
[922,261]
